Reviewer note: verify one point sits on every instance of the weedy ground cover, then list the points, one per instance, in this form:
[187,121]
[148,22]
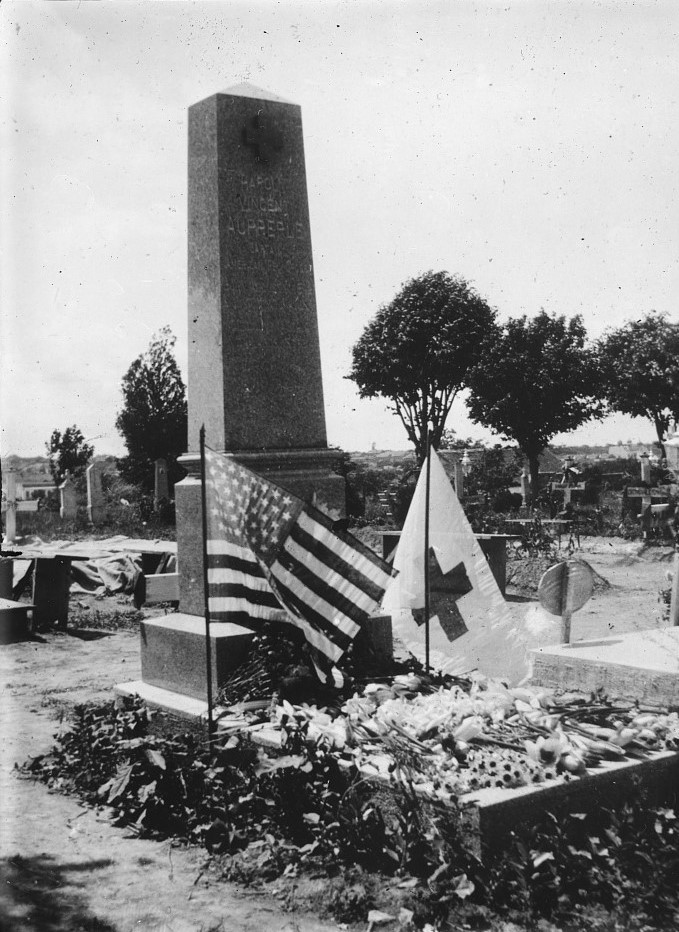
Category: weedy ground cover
[296,814]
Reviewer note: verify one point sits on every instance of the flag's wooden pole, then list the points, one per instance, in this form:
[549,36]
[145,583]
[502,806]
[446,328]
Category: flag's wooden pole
[208,645]
[426,553]
[674,598]
[567,598]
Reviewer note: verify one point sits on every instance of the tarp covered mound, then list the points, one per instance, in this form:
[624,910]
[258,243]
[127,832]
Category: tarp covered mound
[115,573]
[108,565]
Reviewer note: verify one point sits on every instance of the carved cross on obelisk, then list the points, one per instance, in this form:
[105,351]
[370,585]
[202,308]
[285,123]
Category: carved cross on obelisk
[263,137]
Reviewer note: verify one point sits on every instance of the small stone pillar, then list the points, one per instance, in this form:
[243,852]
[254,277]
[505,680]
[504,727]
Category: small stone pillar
[645,461]
[525,486]
[96,507]
[69,499]
[11,508]
[161,488]
[459,480]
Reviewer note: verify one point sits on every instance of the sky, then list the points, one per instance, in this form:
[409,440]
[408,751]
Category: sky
[529,147]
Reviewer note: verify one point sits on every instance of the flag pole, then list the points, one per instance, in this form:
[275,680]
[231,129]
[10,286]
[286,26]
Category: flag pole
[208,645]
[426,552]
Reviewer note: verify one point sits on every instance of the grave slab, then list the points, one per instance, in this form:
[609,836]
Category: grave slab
[643,666]
[491,814]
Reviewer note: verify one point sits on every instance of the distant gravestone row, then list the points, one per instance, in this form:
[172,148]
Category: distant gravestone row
[68,497]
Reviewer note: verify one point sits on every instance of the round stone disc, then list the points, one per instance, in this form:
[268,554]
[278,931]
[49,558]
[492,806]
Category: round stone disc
[551,589]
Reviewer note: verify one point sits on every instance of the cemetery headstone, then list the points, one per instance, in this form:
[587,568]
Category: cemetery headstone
[525,486]
[254,358]
[161,487]
[96,505]
[459,480]
[10,508]
[69,499]
[11,505]
[645,468]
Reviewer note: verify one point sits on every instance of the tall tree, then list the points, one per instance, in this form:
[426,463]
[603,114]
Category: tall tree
[640,370]
[536,378]
[68,452]
[154,418]
[417,351]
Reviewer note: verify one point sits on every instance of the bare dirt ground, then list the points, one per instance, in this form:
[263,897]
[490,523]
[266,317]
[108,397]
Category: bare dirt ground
[65,868]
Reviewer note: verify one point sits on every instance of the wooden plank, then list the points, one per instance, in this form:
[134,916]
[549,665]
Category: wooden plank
[163,587]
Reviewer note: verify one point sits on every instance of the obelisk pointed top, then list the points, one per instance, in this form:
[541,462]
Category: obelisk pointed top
[249,90]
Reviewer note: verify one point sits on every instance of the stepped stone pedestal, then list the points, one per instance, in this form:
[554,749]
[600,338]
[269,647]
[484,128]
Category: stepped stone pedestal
[173,655]
[643,666]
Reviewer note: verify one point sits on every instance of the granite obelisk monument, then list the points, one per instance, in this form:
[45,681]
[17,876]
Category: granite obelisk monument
[254,375]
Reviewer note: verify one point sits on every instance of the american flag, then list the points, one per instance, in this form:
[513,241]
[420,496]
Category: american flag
[272,557]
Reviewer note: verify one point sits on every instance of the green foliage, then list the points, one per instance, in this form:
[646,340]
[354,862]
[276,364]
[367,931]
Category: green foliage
[450,441]
[68,452]
[494,472]
[536,378]
[614,858]
[154,418]
[640,370]
[417,351]
[401,490]
[363,484]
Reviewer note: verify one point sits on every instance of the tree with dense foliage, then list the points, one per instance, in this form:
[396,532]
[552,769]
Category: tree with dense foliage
[154,418]
[417,350]
[493,472]
[450,441]
[68,452]
[640,370]
[537,377]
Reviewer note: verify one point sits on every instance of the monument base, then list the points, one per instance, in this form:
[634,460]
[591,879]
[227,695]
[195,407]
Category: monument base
[181,708]
[173,658]
[173,655]
[642,666]
[308,474]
